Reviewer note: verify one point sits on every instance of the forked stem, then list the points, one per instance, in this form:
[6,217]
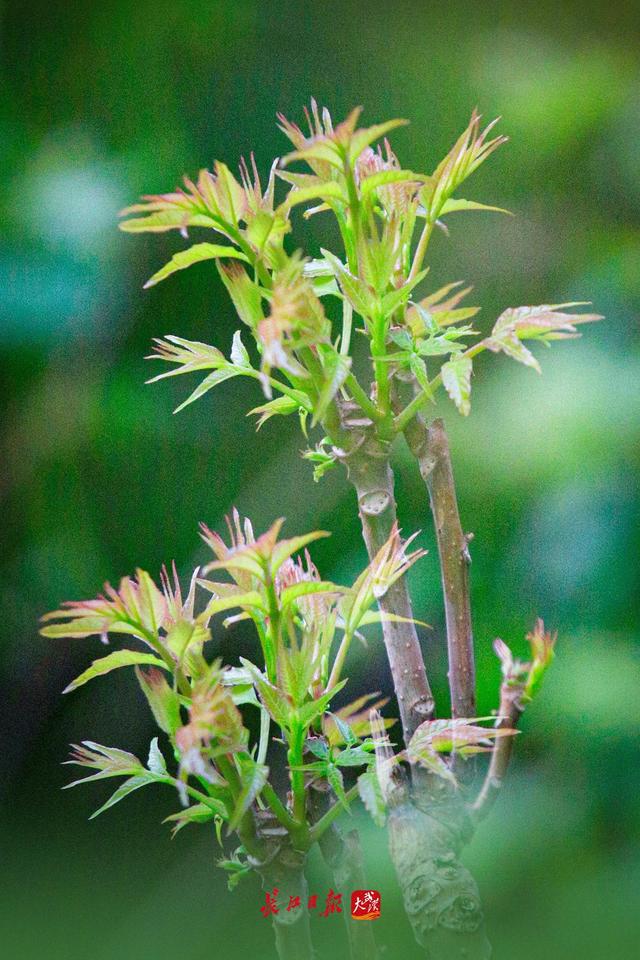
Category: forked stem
[372,478]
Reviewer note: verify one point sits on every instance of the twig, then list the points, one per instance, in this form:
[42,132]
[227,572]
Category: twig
[511,708]
[430,447]
[325,821]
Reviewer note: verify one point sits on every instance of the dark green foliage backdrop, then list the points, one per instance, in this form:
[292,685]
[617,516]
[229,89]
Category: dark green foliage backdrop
[101,102]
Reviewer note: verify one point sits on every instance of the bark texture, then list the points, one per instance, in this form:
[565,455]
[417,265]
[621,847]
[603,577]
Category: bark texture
[427,830]
[440,895]
[285,874]
[343,855]
[430,447]
[369,471]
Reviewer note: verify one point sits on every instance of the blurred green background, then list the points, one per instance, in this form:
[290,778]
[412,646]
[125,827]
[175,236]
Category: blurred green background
[102,102]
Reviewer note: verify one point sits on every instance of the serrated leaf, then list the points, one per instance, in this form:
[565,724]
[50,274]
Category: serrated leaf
[371,795]
[425,756]
[366,136]
[251,600]
[456,378]
[239,353]
[320,191]
[218,376]
[271,698]
[109,761]
[253,777]
[318,747]
[384,177]
[195,254]
[286,548]
[259,228]
[353,757]
[454,204]
[245,293]
[345,730]
[133,783]
[336,367]
[355,290]
[507,342]
[162,699]
[157,222]
[336,782]
[419,369]
[315,708]
[115,660]
[396,298]
[197,813]
[281,406]
[156,762]
[307,588]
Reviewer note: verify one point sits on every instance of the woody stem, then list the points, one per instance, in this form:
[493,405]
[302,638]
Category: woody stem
[371,475]
[430,447]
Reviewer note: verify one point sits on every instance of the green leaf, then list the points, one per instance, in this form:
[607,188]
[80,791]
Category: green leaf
[156,762]
[259,228]
[336,782]
[355,290]
[315,708]
[133,783]
[380,616]
[318,747]
[353,757]
[320,191]
[253,777]
[507,342]
[419,369]
[251,600]
[197,813]
[371,795]
[218,376]
[245,293]
[396,298]
[306,588]
[162,699]
[281,406]
[321,458]
[239,354]
[365,137]
[453,205]
[335,368]
[425,756]
[109,761]
[345,730]
[115,660]
[195,254]
[285,548]
[276,705]
[456,377]
[326,151]
[383,177]
[159,221]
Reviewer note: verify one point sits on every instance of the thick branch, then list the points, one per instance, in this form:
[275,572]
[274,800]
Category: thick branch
[430,447]
[285,874]
[343,856]
[371,475]
[440,895]
[509,714]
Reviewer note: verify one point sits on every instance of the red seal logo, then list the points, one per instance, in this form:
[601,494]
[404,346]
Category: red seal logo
[365,905]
